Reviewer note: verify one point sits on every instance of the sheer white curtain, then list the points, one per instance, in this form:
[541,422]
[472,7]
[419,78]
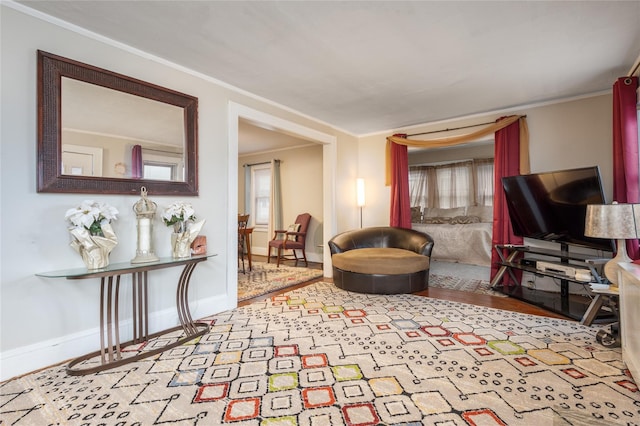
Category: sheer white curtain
[459,184]
[247,190]
[418,184]
[483,176]
[455,184]
[275,212]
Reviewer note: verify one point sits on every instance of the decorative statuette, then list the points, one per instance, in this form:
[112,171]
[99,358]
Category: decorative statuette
[145,210]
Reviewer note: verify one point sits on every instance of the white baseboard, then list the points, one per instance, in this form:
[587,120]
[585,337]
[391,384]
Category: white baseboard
[25,359]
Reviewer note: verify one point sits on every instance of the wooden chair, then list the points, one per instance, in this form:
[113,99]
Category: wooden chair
[291,240]
[243,219]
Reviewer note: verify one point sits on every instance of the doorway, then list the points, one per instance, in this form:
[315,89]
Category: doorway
[329,150]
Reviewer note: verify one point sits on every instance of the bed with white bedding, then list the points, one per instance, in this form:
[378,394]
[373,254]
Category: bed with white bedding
[461,234]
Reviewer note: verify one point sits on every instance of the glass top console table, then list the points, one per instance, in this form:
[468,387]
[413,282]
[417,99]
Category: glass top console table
[114,353]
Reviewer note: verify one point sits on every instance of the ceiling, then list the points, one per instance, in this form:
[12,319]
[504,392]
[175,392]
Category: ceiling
[253,139]
[372,66]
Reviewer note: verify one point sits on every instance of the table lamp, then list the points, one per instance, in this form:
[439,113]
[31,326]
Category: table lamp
[145,209]
[614,221]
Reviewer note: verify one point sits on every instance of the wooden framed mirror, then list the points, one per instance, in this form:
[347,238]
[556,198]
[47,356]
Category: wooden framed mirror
[103,132]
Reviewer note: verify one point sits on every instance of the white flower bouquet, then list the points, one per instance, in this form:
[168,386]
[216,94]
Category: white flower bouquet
[93,237]
[91,216]
[178,214]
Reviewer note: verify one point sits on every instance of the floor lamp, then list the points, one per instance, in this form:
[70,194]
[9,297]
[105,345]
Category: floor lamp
[360,196]
[614,221]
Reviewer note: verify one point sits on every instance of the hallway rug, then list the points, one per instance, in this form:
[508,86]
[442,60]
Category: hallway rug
[463,284]
[267,277]
[319,355]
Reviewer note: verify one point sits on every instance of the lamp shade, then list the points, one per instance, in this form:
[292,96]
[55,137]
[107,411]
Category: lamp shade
[360,192]
[615,221]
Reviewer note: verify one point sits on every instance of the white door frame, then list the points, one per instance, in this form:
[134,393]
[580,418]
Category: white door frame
[329,154]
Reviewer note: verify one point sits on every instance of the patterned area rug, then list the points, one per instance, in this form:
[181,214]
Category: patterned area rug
[463,284]
[323,356]
[267,277]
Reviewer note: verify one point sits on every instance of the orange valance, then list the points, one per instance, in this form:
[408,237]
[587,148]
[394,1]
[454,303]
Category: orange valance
[470,137]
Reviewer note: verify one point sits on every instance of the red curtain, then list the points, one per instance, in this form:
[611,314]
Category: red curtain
[136,162]
[625,148]
[506,163]
[400,215]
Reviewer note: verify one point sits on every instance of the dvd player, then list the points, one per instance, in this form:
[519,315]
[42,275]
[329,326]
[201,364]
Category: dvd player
[556,268]
[565,269]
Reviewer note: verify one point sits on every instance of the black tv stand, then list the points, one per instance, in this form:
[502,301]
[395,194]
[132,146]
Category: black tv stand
[570,305]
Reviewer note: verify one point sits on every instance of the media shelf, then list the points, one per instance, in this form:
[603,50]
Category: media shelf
[573,306]
[570,305]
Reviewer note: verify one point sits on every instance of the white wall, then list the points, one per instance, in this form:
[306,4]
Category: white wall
[45,321]
[562,135]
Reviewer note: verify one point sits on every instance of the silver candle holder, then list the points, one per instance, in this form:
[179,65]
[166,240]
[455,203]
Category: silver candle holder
[145,210]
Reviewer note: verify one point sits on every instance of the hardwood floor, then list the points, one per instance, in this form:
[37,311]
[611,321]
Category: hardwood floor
[505,303]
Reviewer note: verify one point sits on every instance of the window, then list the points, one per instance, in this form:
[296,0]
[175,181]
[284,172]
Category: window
[260,195]
[162,165]
[483,174]
[459,184]
[455,186]
[159,171]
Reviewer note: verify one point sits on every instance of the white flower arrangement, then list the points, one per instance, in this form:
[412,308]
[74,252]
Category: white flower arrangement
[178,211]
[91,215]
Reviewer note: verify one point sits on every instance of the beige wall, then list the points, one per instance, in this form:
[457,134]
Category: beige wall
[444,155]
[563,135]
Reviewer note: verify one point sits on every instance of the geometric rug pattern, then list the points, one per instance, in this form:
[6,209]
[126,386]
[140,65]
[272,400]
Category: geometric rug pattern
[463,284]
[267,277]
[319,355]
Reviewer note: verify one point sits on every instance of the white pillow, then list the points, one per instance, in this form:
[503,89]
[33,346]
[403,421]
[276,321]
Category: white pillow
[457,211]
[429,212]
[485,213]
[293,228]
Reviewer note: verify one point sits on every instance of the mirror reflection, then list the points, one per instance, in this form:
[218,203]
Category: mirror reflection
[104,132]
[113,134]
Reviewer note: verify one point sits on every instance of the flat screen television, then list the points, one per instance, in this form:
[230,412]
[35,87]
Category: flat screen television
[551,206]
